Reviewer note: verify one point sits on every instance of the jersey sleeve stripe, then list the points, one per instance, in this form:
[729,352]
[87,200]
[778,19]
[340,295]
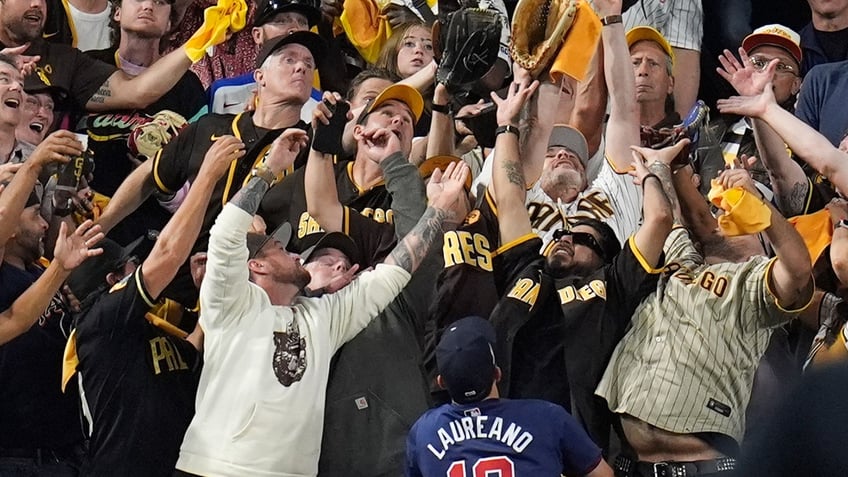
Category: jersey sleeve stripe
[767,276]
[524,238]
[142,291]
[612,166]
[641,258]
[156,178]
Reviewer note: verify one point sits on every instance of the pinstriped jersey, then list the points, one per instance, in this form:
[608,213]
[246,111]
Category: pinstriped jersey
[687,364]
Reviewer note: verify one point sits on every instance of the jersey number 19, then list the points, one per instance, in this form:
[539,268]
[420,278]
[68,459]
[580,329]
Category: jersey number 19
[485,467]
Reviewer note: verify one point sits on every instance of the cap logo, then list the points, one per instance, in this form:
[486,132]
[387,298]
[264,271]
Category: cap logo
[777,31]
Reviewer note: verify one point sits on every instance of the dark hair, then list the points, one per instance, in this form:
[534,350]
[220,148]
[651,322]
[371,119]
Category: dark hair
[609,242]
[115,26]
[366,75]
[8,60]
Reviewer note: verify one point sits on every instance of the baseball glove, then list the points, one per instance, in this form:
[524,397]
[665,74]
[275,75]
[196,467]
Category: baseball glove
[698,117]
[146,139]
[467,45]
[538,29]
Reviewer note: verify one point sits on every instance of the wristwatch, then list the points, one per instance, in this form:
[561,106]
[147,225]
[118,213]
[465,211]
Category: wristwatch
[264,173]
[843,224]
[509,128]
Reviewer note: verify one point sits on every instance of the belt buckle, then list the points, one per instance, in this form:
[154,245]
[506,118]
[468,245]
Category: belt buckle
[666,469]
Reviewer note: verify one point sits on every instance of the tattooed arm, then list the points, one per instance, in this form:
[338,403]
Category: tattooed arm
[446,193]
[508,184]
[788,180]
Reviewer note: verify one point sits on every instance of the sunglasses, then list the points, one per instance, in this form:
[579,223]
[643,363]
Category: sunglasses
[761,62]
[581,238]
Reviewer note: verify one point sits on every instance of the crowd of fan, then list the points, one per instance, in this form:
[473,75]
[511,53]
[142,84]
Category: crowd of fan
[667,283]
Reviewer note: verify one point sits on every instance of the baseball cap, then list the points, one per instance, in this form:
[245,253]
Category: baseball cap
[312,41]
[337,240]
[568,137]
[255,241]
[642,33]
[430,165]
[266,9]
[91,274]
[33,84]
[400,92]
[466,360]
[775,35]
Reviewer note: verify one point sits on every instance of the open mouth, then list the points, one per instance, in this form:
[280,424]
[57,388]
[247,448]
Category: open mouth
[12,102]
[33,17]
[37,127]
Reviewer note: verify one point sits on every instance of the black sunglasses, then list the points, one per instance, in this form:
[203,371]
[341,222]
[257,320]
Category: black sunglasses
[581,238]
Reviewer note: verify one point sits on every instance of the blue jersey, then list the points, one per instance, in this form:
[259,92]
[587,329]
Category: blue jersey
[506,438]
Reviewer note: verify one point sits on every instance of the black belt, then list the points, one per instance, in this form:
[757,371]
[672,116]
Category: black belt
[630,467]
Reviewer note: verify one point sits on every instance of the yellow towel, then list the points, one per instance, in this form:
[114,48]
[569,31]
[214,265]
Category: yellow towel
[579,46]
[744,213]
[366,28]
[817,231]
[226,16]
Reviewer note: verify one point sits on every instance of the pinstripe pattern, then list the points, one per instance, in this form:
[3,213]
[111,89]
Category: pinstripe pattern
[680,21]
[611,198]
[698,339]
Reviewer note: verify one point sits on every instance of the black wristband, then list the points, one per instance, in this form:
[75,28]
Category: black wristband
[648,176]
[509,128]
[441,108]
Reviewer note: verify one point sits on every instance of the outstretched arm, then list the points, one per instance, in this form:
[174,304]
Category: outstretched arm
[319,180]
[791,277]
[132,192]
[71,250]
[177,238]
[807,143]
[657,206]
[446,198]
[787,178]
[507,172]
[623,125]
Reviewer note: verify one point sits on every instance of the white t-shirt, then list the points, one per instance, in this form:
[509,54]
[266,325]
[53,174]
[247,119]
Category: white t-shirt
[92,29]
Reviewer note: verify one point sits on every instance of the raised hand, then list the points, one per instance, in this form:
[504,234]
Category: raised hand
[284,150]
[398,16]
[382,142]
[73,248]
[342,280]
[751,106]
[731,178]
[218,158]
[745,78]
[838,209]
[509,108]
[446,190]
[665,155]
[322,113]
[59,146]
[25,63]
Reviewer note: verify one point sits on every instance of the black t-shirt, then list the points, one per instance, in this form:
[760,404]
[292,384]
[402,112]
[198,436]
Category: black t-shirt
[287,202]
[834,43]
[67,67]
[180,160]
[108,133]
[595,311]
[57,25]
[140,384]
[34,413]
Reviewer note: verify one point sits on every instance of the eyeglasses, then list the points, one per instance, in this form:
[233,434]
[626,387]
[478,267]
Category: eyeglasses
[581,238]
[761,62]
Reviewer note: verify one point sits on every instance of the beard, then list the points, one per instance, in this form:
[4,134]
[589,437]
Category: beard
[296,275]
[22,32]
[559,181]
